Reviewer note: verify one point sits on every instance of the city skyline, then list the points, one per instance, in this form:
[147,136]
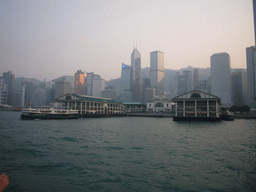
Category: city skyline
[49,39]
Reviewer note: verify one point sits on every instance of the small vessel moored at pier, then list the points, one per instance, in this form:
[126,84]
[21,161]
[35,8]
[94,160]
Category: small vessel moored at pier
[50,113]
[228,116]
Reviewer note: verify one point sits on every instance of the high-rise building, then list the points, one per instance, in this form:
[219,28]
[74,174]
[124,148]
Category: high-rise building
[126,83]
[109,92]
[239,87]
[251,67]
[196,79]
[68,78]
[79,83]
[49,96]
[3,92]
[98,85]
[221,77]
[251,76]
[94,84]
[157,71]
[150,94]
[38,97]
[202,86]
[208,85]
[23,94]
[136,66]
[61,88]
[89,78]
[145,85]
[9,81]
[254,14]
[184,82]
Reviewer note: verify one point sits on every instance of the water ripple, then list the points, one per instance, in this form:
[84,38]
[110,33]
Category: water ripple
[127,154]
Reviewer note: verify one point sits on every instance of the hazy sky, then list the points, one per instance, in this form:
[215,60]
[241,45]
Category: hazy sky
[48,39]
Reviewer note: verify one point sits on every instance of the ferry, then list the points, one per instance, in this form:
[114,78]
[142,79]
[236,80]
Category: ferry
[50,113]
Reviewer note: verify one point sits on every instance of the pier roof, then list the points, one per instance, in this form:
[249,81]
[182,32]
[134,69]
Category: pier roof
[195,95]
[73,97]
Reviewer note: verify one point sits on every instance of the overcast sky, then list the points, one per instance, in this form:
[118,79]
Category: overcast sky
[48,39]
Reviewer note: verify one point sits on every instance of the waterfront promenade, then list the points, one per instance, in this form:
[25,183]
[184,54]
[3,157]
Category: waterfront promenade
[245,116]
[150,114]
[237,116]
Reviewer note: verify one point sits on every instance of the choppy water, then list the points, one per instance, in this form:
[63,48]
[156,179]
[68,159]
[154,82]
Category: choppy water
[127,154]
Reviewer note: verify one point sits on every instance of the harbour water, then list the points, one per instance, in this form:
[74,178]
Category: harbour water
[127,154]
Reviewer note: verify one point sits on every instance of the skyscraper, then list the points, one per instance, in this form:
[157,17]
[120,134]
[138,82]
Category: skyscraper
[145,85]
[109,92]
[98,85]
[157,71]
[221,77]
[67,78]
[126,83]
[9,80]
[251,75]
[254,14]
[61,88]
[239,87]
[251,67]
[89,79]
[3,92]
[184,82]
[79,83]
[196,79]
[136,66]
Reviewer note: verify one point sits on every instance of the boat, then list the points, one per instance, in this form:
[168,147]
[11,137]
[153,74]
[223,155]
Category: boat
[49,113]
[227,116]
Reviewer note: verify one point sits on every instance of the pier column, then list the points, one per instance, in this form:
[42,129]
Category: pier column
[195,108]
[68,105]
[81,107]
[207,108]
[184,108]
[217,111]
[176,110]
[75,105]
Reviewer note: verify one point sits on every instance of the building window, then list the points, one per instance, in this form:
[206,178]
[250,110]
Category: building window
[195,95]
[159,105]
[68,97]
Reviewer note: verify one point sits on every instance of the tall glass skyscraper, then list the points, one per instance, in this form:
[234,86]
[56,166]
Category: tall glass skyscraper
[136,66]
[221,77]
[157,71]
[126,83]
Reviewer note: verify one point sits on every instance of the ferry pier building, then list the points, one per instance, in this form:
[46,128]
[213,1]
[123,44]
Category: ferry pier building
[197,106]
[89,106]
